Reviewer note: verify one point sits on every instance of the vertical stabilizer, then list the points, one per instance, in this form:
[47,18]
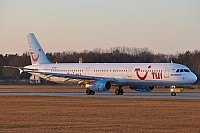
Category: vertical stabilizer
[35,50]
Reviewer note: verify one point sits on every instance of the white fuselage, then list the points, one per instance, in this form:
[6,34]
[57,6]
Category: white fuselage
[124,74]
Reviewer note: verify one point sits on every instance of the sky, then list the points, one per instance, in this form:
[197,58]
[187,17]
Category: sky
[163,26]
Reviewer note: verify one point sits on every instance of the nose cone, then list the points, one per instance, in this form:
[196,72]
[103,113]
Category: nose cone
[193,78]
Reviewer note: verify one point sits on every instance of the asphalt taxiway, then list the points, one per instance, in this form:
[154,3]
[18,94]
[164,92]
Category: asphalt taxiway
[183,95]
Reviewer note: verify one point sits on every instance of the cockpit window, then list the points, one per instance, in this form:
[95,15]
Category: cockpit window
[182,70]
[186,70]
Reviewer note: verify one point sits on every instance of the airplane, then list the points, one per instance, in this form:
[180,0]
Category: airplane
[100,77]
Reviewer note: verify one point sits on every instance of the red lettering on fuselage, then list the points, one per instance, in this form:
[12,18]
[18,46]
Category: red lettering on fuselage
[156,75]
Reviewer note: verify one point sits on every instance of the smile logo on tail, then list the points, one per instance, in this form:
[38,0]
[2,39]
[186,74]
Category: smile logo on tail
[32,56]
[141,77]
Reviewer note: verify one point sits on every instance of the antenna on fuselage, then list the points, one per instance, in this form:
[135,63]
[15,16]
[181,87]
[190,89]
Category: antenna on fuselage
[80,60]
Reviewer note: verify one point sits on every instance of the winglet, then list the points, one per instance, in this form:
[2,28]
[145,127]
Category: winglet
[35,50]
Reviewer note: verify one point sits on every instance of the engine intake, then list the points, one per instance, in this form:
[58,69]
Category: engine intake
[99,85]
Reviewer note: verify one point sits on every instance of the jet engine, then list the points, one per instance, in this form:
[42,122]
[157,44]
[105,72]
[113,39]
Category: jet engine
[142,88]
[99,85]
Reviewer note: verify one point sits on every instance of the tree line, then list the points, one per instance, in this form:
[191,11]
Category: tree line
[113,55]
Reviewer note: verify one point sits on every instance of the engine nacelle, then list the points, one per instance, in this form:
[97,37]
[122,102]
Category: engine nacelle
[143,88]
[99,85]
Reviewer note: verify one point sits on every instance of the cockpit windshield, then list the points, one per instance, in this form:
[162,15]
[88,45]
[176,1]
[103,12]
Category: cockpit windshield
[182,70]
[186,70]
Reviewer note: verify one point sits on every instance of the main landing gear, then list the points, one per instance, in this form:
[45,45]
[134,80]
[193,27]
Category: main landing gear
[90,92]
[119,91]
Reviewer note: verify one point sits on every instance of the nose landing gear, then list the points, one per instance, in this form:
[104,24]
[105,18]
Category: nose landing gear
[172,89]
[173,93]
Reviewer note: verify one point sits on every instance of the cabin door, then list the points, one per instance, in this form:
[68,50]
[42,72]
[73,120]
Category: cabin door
[87,70]
[166,72]
[129,74]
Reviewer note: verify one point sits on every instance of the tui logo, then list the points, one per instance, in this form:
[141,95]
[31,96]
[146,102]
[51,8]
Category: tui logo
[32,56]
[142,77]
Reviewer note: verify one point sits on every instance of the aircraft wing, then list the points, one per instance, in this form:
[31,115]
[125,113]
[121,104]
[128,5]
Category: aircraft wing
[72,76]
[49,74]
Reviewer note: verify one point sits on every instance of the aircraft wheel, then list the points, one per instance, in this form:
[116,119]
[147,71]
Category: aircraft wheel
[117,92]
[173,94]
[88,92]
[121,92]
[92,92]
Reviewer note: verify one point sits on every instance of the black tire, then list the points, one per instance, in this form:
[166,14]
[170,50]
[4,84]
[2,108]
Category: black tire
[173,94]
[121,92]
[92,92]
[88,92]
[117,92]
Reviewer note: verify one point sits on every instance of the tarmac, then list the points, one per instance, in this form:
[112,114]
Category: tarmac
[162,95]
